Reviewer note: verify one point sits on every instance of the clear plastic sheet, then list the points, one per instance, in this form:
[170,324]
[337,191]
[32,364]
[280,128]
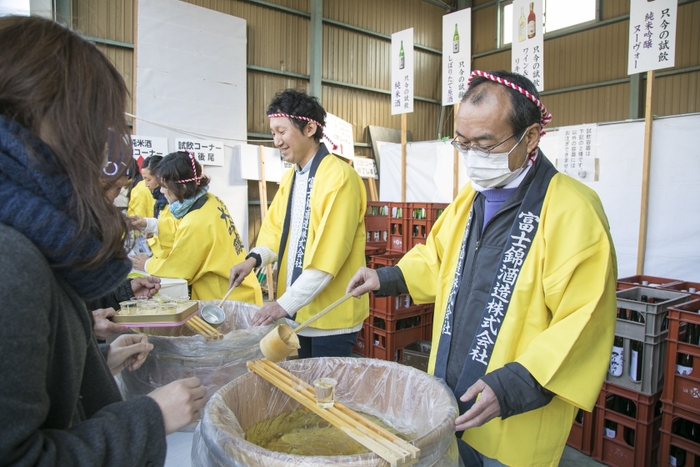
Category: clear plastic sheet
[407,399]
[178,352]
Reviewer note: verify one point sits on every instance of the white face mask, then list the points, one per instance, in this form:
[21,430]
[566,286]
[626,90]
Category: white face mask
[491,171]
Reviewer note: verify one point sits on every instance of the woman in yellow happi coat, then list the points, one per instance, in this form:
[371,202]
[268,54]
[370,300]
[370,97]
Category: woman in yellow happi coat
[206,240]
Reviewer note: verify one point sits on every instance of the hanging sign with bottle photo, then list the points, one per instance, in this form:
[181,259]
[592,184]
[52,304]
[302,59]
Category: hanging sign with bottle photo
[402,72]
[456,55]
[527,57]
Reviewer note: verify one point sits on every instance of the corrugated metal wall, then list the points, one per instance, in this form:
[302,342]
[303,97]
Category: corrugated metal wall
[585,71]
[597,57]
[112,20]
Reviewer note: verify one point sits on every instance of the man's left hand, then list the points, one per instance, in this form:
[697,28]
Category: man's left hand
[268,313]
[483,410]
[145,286]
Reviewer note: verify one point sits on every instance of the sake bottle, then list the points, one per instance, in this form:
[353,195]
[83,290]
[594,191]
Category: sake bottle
[402,58]
[636,359]
[455,41]
[616,359]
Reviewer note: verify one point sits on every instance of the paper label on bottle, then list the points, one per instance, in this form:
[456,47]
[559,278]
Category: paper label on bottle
[610,433]
[684,370]
[531,29]
[616,361]
[634,357]
[672,461]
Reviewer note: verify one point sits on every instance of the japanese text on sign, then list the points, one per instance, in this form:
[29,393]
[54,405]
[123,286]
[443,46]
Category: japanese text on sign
[456,55]
[402,72]
[146,146]
[528,43]
[652,38]
[206,152]
[577,150]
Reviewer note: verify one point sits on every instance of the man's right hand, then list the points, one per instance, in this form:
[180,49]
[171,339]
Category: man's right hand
[364,280]
[240,272]
[181,402]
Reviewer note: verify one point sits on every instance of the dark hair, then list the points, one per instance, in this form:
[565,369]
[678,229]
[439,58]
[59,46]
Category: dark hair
[523,112]
[151,163]
[178,166]
[297,102]
[64,90]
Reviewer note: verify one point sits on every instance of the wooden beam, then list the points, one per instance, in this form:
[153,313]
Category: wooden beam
[643,218]
[403,158]
[455,164]
[262,186]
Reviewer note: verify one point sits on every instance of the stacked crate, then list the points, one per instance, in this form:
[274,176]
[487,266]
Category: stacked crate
[376,227]
[680,429]
[627,417]
[393,322]
[398,228]
[421,221]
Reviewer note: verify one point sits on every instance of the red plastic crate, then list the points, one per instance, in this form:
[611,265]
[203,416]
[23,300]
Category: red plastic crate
[581,434]
[648,408]
[394,325]
[682,391]
[374,209]
[399,211]
[617,452]
[386,259]
[398,240]
[418,231]
[386,345]
[651,281]
[386,307]
[428,330]
[693,288]
[377,225]
[361,347]
[671,414]
[429,211]
[692,455]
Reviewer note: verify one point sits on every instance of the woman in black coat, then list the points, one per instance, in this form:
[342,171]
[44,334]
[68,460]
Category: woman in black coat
[63,143]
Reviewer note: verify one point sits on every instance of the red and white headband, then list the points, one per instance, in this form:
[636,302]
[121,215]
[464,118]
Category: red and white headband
[299,117]
[194,171]
[545,118]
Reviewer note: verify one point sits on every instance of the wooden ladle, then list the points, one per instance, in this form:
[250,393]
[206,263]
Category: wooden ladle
[283,340]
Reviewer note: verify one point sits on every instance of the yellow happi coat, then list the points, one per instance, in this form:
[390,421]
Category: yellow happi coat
[559,325]
[205,246]
[335,242]
[162,243]
[141,201]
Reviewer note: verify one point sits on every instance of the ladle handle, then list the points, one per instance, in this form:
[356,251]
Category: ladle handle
[226,296]
[322,312]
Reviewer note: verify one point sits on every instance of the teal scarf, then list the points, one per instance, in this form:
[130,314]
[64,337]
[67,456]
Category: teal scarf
[179,209]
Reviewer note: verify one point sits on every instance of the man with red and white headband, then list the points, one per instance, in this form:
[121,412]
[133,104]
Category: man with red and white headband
[522,270]
[315,230]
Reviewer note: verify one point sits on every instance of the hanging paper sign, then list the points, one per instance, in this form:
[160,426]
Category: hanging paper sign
[652,35]
[340,133]
[365,167]
[250,163]
[402,72]
[456,55]
[527,57]
[146,146]
[206,152]
[577,151]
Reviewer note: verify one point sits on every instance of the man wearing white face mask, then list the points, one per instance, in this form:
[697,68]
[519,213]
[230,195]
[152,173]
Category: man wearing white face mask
[522,270]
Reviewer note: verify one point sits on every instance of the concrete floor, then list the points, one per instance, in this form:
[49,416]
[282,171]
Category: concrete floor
[573,458]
